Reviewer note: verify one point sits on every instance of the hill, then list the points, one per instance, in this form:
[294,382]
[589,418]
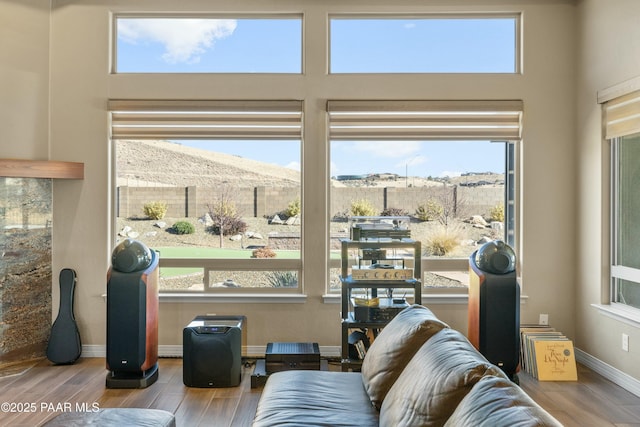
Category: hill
[165,163]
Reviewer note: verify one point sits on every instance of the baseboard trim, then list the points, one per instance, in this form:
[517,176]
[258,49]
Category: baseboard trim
[251,351]
[614,375]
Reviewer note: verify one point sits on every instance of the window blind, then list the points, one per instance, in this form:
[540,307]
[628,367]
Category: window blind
[622,115]
[199,119]
[425,120]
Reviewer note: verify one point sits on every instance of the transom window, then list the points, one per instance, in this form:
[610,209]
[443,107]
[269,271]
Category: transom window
[429,44]
[208,45]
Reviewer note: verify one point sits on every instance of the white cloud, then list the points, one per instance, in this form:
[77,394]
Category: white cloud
[388,149]
[294,166]
[412,162]
[184,40]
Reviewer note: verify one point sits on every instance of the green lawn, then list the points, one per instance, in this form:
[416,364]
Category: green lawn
[219,253]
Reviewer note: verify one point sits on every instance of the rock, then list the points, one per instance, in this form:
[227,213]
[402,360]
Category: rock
[125,231]
[236,237]
[276,220]
[256,236]
[160,224]
[484,239]
[133,234]
[151,234]
[478,220]
[206,220]
[229,283]
[249,234]
[293,220]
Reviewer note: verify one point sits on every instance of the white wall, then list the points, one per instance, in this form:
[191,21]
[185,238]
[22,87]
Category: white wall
[24,79]
[608,54]
[81,85]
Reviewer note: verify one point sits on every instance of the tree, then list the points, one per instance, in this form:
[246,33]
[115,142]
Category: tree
[224,214]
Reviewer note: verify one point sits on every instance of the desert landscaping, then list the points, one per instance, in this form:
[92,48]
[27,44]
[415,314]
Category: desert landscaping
[167,165]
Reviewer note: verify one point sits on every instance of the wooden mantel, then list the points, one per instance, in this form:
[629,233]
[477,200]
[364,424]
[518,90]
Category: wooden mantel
[16,168]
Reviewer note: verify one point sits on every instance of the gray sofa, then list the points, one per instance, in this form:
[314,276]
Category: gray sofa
[418,372]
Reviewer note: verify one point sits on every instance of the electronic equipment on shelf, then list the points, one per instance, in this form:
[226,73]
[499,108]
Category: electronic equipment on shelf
[386,309]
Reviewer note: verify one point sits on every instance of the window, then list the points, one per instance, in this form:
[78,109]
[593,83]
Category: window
[626,258]
[622,129]
[208,45]
[214,186]
[437,162]
[431,44]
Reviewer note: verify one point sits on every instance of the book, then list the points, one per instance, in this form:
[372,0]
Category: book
[547,354]
[555,360]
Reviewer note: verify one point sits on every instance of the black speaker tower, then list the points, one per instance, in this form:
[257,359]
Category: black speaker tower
[494,317]
[132,327]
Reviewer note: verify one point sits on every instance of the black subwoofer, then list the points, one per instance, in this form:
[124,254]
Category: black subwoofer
[212,351]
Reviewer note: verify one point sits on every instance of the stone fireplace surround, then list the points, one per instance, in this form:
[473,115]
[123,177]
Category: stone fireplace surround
[26,278]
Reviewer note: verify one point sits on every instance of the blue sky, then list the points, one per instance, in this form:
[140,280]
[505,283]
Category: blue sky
[365,45]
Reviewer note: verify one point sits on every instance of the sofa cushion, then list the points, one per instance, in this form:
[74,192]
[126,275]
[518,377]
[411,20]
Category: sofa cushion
[434,382]
[394,347]
[315,398]
[498,402]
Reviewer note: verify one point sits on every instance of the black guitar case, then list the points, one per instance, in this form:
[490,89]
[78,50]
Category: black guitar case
[64,343]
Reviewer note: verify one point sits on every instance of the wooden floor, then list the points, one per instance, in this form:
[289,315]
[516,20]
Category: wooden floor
[45,390]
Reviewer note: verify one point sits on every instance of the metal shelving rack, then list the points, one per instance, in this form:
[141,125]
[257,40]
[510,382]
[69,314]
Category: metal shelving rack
[349,284]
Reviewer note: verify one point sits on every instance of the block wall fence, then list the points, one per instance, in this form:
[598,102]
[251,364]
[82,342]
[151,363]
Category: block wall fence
[268,201]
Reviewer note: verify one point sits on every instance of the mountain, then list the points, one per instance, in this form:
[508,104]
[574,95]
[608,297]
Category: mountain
[165,163]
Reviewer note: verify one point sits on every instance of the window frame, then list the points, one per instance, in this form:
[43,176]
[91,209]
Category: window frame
[203,15]
[123,113]
[620,109]
[618,272]
[517,16]
[499,121]
[292,87]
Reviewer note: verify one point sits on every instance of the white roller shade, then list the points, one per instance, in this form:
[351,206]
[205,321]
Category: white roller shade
[184,119]
[425,120]
[622,115]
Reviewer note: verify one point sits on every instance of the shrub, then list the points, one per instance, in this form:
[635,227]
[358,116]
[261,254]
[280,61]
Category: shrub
[497,213]
[184,227]
[265,252]
[230,227]
[362,207]
[155,210]
[223,208]
[342,216]
[393,212]
[429,211]
[442,241]
[282,279]
[293,208]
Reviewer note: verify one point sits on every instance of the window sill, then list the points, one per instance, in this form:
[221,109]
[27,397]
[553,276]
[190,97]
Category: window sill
[427,298]
[233,298]
[619,313]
